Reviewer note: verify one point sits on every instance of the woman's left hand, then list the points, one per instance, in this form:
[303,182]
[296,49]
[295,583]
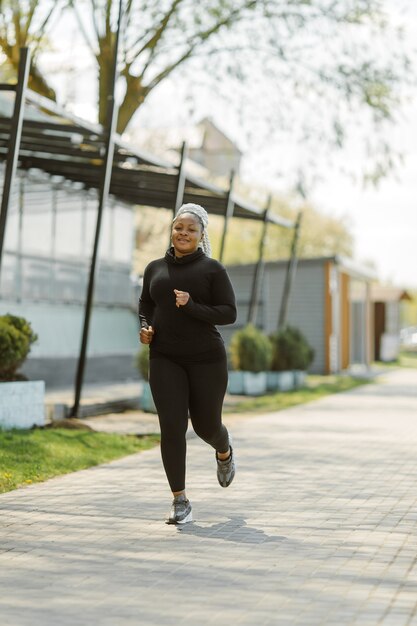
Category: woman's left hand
[181,297]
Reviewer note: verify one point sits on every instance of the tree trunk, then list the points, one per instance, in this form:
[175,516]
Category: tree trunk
[38,83]
[105,65]
[134,98]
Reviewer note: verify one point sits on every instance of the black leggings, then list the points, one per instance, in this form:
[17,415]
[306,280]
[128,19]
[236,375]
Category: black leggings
[180,389]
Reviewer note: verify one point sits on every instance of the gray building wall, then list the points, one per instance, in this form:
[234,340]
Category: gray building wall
[113,342]
[306,304]
[46,261]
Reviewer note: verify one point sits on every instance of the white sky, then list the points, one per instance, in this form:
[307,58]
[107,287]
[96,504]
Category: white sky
[383,220]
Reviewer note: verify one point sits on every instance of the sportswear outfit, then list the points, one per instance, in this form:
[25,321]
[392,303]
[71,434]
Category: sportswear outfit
[188,363]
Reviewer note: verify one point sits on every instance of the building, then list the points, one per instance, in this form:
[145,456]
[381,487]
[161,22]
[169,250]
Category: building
[329,302]
[214,150]
[210,150]
[51,226]
[46,261]
[387,302]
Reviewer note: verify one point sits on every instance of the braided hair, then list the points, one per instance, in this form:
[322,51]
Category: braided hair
[201,214]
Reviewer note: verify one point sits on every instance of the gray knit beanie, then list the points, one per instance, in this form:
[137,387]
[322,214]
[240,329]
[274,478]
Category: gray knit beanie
[201,214]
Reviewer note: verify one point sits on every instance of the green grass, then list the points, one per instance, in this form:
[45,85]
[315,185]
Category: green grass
[407,359]
[32,456]
[317,387]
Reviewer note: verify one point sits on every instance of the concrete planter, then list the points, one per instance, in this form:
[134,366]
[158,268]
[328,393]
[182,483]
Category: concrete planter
[280,381]
[146,399]
[236,385]
[272,381]
[285,381]
[300,377]
[22,404]
[254,383]
[247,383]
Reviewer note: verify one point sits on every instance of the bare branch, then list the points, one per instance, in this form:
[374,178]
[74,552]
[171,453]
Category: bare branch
[90,45]
[32,8]
[16,22]
[128,12]
[108,30]
[157,34]
[41,28]
[198,39]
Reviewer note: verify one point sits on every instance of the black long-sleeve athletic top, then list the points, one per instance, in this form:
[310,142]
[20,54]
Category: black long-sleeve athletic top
[188,330]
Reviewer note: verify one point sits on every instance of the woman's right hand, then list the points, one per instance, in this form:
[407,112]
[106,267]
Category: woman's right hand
[146,334]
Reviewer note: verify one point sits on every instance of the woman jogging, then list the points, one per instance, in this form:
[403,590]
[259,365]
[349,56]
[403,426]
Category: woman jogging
[184,295]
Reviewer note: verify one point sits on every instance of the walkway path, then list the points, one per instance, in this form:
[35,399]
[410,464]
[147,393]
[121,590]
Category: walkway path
[319,527]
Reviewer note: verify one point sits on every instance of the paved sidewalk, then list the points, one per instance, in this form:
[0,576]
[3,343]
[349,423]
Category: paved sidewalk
[319,527]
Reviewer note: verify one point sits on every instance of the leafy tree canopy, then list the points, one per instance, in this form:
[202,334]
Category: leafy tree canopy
[27,23]
[332,61]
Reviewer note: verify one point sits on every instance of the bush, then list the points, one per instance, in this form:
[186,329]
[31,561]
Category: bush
[250,350]
[16,338]
[142,361]
[290,350]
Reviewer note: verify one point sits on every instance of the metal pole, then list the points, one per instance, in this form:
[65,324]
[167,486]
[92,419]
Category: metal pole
[259,270]
[52,253]
[289,276]
[230,207]
[181,179]
[19,258]
[103,196]
[14,141]
[179,195]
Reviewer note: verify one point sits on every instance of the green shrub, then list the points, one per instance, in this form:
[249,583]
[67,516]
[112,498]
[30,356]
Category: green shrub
[250,350]
[16,338]
[290,350]
[142,361]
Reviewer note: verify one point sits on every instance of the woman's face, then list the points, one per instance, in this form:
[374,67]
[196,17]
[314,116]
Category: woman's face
[187,233]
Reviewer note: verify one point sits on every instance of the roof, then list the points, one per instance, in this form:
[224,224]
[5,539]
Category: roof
[170,138]
[355,270]
[61,144]
[387,293]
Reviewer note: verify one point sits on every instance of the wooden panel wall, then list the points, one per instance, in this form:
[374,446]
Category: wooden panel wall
[345,320]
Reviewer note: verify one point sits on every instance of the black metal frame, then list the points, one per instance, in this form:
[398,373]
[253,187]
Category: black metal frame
[179,196]
[62,145]
[13,144]
[228,214]
[103,197]
[259,270]
[289,274]
[75,151]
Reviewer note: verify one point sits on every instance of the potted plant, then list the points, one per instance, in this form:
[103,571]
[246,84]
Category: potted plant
[142,363]
[21,401]
[303,357]
[291,355]
[250,354]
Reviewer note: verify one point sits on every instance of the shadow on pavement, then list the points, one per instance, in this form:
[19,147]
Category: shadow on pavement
[236,530]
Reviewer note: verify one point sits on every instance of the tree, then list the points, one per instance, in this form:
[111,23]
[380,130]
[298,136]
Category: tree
[27,23]
[326,55]
[161,35]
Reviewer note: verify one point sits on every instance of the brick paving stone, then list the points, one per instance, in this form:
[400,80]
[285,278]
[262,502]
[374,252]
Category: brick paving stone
[319,527]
